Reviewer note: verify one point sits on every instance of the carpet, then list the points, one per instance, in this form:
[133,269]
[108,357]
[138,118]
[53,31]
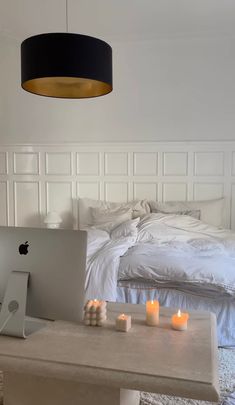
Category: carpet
[227,386]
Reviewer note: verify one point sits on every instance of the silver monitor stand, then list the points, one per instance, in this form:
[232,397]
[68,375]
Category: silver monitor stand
[55,259]
[13,311]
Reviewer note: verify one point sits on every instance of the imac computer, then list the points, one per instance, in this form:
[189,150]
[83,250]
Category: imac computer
[42,275]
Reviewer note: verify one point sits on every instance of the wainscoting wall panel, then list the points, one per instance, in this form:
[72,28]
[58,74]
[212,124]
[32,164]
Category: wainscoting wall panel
[116,191]
[145,190]
[88,164]
[35,179]
[3,163]
[116,164]
[145,164]
[175,164]
[25,163]
[27,204]
[206,191]
[215,166]
[58,163]
[174,192]
[59,197]
[4,203]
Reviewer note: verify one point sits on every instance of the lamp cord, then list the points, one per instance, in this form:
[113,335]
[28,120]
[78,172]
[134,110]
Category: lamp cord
[66,13]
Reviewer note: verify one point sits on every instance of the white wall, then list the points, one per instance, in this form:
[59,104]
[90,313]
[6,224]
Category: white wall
[175,89]
[36,179]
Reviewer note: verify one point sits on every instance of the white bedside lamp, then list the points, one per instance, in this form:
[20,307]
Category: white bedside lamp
[53,220]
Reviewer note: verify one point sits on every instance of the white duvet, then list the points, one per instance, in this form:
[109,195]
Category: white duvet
[177,251]
[103,258]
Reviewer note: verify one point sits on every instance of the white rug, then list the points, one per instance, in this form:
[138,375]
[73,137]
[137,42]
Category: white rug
[227,386]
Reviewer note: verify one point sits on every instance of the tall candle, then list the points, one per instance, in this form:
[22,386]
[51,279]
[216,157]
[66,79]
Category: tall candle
[152,313]
[179,321]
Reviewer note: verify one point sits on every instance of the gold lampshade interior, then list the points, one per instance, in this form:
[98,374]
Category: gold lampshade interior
[67,87]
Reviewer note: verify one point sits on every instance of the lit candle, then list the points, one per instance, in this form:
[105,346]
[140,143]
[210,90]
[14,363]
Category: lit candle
[179,321]
[95,313]
[123,323]
[94,305]
[101,306]
[88,305]
[152,313]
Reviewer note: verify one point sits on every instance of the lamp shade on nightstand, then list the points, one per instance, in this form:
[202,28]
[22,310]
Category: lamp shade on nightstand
[53,220]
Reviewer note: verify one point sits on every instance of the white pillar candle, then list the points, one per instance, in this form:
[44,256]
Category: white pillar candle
[95,313]
[152,313]
[88,305]
[101,307]
[101,316]
[179,321]
[123,323]
[93,309]
[93,322]
[87,322]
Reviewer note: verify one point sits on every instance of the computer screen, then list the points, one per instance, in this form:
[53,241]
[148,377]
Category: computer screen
[56,263]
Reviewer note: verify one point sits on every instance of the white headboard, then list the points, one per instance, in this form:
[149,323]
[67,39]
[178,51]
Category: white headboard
[35,179]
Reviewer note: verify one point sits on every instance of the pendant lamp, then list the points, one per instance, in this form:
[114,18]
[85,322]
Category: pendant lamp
[66,65]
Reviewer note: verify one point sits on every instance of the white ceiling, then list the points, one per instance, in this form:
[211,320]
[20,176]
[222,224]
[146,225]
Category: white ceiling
[120,19]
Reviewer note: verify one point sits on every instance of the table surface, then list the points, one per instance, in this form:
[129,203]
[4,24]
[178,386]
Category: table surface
[154,359]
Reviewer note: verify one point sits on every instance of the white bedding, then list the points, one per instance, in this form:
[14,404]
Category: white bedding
[103,258]
[169,249]
[186,263]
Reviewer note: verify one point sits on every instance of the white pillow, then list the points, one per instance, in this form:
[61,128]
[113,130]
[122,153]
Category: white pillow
[190,213]
[128,228]
[108,219]
[212,211]
[139,209]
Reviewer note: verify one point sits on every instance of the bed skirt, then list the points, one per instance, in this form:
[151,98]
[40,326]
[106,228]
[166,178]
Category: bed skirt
[135,292]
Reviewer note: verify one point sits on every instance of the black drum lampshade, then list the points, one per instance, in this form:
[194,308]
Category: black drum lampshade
[66,65]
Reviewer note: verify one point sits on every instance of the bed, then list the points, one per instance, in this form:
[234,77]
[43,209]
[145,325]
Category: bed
[135,254]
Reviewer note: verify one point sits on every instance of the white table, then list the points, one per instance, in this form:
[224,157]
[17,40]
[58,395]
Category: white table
[71,364]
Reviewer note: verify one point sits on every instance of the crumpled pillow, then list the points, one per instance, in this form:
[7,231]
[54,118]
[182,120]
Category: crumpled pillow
[212,211]
[139,208]
[108,219]
[191,213]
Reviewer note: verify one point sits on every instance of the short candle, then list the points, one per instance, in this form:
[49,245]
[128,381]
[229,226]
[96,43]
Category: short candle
[95,313]
[179,321]
[123,323]
[152,313]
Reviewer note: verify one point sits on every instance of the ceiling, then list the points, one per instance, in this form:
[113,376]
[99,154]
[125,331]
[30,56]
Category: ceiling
[119,19]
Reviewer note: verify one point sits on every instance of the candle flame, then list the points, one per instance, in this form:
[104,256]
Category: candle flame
[95,300]
[123,316]
[151,301]
[179,313]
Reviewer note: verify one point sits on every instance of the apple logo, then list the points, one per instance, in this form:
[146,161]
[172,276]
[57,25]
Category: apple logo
[23,248]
